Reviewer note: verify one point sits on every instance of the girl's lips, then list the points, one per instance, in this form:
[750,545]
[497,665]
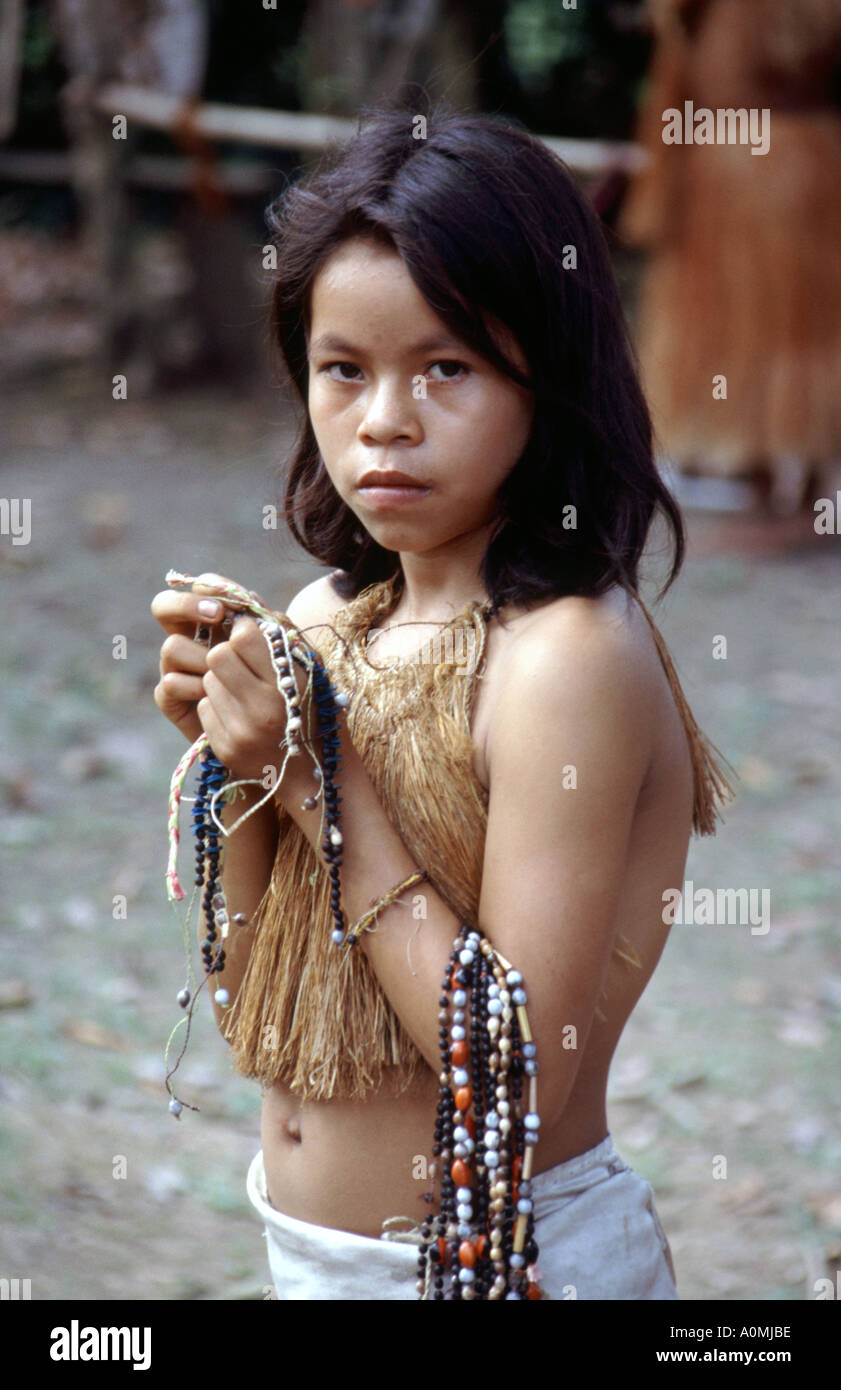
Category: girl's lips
[379,496]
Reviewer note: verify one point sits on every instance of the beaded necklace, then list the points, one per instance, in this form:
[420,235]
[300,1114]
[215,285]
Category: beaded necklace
[480,1244]
[285,646]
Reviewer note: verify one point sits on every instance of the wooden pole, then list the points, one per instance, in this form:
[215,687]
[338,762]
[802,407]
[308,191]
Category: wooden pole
[11,62]
[302,131]
[249,124]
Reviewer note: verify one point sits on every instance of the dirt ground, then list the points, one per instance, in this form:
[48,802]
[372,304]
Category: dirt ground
[733,1052]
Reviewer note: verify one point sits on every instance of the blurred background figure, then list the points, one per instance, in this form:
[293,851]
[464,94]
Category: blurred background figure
[744,277]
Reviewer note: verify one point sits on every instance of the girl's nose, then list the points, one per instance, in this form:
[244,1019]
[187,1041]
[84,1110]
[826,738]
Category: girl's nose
[390,414]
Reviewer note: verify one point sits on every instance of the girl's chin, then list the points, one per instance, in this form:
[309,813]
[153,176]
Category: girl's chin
[383,527]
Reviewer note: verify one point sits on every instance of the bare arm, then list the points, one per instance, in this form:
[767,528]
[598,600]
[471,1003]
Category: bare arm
[554,855]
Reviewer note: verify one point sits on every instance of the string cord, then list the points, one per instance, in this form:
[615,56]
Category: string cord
[273,629]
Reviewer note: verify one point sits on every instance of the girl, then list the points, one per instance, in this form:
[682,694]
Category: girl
[475,464]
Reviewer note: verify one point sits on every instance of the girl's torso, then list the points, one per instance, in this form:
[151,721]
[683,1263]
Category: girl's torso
[351,1164]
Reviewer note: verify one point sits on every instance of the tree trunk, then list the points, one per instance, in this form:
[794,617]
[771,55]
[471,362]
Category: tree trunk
[11,61]
[163,43]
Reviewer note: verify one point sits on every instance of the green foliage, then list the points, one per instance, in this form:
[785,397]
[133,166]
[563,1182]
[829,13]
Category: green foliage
[39,43]
[540,34]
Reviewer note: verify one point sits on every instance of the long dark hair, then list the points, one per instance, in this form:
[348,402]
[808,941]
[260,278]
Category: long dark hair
[489,222]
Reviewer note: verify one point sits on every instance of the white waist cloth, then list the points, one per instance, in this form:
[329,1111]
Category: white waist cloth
[596,1226]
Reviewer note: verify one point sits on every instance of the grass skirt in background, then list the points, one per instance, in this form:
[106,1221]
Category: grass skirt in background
[749,291]
[743,281]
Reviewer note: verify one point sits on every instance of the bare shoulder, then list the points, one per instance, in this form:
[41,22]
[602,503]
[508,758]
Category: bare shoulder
[316,603]
[573,634]
[576,660]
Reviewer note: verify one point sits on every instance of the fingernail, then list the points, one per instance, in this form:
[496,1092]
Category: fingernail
[208,607]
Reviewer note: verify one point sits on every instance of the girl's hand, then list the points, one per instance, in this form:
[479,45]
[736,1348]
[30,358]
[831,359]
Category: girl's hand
[229,689]
[183,661]
[242,710]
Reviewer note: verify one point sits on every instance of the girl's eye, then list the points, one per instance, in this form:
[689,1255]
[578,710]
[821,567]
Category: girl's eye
[343,368]
[450,371]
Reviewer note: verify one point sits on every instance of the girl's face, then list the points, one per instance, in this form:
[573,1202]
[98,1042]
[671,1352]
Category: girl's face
[391,389]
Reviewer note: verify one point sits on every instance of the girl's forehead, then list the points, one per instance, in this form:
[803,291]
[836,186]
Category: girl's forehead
[359,268]
[359,252]
[364,297]
[367,287]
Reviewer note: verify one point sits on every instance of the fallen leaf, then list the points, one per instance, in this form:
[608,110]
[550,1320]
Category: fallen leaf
[82,764]
[14,994]
[696,1077]
[749,991]
[92,1034]
[741,1192]
[18,789]
[827,1208]
[757,774]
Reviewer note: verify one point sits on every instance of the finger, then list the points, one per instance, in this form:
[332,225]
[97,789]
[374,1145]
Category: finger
[176,686]
[234,595]
[231,729]
[227,702]
[209,582]
[220,588]
[225,588]
[251,647]
[243,659]
[250,643]
[180,653]
[251,711]
[213,728]
[180,612]
[229,668]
